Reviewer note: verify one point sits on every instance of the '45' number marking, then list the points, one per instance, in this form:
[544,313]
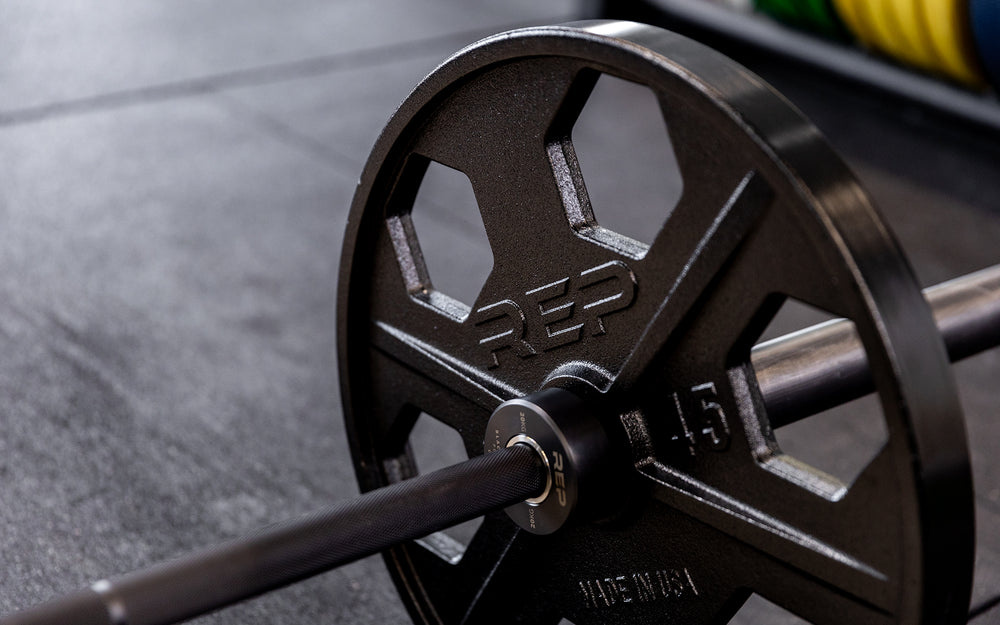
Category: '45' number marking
[702,420]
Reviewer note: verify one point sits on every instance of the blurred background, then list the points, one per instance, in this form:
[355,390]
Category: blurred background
[174,184]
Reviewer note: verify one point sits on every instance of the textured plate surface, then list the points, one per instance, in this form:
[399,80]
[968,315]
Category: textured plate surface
[768,211]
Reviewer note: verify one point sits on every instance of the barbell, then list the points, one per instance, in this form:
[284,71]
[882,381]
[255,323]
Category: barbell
[621,393]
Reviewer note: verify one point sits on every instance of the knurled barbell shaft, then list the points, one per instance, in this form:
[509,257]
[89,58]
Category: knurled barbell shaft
[817,368]
[287,552]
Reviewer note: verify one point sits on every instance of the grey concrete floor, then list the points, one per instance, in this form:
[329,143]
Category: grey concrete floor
[174,182]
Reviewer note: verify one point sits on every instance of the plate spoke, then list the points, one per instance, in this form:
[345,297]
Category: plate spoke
[694,267]
[441,368]
[816,599]
[539,99]
[801,547]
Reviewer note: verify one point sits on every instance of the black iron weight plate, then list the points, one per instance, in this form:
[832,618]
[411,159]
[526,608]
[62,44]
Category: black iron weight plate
[662,334]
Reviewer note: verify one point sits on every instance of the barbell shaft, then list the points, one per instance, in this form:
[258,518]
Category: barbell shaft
[287,552]
[823,366]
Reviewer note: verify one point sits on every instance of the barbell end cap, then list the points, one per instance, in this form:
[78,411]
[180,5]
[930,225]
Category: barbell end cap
[574,447]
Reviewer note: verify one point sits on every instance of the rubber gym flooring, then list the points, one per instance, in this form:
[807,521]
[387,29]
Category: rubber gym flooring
[174,183]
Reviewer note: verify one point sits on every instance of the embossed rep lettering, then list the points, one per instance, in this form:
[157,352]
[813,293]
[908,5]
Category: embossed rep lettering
[558,313]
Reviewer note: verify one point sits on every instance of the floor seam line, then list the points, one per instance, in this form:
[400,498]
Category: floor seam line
[280,131]
[242,78]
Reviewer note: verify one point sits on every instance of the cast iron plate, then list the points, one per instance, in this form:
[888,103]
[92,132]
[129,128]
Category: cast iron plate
[661,334]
